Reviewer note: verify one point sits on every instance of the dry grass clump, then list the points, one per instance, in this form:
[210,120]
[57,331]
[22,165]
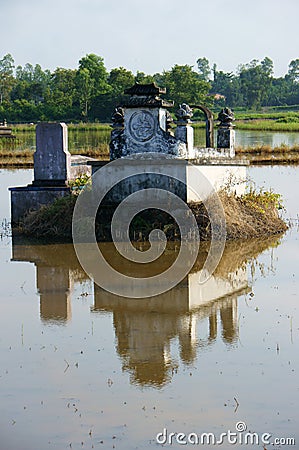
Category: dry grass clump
[265,154]
[253,215]
[263,148]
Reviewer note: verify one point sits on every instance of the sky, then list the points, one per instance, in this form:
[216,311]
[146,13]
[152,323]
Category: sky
[150,36]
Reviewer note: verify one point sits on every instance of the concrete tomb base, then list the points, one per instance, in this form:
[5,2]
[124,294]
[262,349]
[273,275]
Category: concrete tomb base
[31,198]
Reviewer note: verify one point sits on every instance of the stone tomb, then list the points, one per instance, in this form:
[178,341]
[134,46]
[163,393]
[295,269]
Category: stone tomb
[142,125]
[142,133]
[54,166]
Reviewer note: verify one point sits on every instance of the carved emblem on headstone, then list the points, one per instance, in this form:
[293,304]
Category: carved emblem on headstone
[142,126]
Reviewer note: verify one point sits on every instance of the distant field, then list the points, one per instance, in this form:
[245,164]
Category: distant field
[271,119]
[281,124]
[92,139]
[95,126]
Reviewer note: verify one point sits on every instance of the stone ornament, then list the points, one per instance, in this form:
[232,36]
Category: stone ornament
[184,113]
[142,126]
[118,116]
[226,117]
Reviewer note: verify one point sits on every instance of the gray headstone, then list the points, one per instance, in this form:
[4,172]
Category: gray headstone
[52,160]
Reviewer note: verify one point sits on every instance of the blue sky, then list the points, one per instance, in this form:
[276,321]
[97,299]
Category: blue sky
[150,35]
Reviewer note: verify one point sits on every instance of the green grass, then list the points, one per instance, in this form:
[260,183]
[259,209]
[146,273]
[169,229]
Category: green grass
[261,199]
[282,124]
[261,121]
[89,126]
[262,115]
[267,120]
[8,144]
[265,111]
[23,128]
[198,124]
[92,126]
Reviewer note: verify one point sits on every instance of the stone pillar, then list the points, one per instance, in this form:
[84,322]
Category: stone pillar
[226,132]
[184,131]
[226,139]
[117,134]
[52,160]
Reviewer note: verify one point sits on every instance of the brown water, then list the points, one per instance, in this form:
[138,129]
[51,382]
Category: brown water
[82,368]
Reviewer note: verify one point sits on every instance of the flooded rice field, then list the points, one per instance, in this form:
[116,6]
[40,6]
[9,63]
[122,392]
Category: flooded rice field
[92,139]
[82,368]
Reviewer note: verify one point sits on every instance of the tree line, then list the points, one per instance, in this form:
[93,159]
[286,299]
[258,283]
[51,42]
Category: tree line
[90,92]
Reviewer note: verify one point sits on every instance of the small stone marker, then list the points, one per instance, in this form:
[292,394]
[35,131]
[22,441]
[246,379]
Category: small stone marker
[52,160]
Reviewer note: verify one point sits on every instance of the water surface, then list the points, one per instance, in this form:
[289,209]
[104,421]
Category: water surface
[82,368]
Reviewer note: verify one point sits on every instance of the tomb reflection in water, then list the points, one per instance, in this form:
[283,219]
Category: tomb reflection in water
[192,315]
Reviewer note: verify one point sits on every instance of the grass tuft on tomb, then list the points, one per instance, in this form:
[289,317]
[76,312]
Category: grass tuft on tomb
[252,215]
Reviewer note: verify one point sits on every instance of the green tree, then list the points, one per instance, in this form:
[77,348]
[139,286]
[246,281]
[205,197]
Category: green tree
[267,66]
[85,86]
[120,79]
[6,77]
[62,102]
[142,78]
[204,69]
[184,85]
[92,82]
[32,83]
[293,72]
[25,73]
[256,82]
[228,85]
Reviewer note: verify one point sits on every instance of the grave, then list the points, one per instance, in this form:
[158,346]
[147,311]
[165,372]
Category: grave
[53,168]
[155,156]
[142,133]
